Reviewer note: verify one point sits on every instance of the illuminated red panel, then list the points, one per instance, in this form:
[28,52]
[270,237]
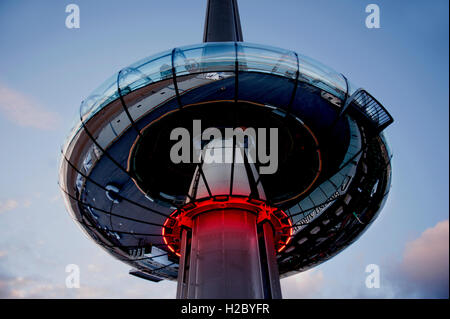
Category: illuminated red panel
[280,221]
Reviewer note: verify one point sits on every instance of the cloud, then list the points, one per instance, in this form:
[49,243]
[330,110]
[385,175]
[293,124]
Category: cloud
[23,111]
[9,204]
[95,268]
[27,287]
[304,285]
[421,271]
[424,269]
[24,287]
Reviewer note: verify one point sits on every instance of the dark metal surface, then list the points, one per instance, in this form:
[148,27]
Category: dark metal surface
[222,22]
[269,264]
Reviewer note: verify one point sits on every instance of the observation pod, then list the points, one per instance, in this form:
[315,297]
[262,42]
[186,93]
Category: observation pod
[226,228]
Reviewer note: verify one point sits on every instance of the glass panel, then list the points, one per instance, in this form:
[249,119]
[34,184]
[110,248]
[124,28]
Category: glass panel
[384,138]
[266,59]
[209,86]
[328,188]
[152,69]
[214,58]
[210,66]
[142,91]
[114,123]
[131,79]
[318,197]
[72,205]
[211,57]
[103,95]
[322,76]
[139,74]
[145,100]
[75,127]
[351,88]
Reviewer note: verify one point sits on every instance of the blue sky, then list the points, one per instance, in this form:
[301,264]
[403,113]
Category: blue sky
[47,69]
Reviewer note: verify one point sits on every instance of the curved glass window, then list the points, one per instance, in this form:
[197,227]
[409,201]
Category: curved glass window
[322,76]
[102,96]
[130,79]
[384,138]
[215,60]
[257,58]
[205,58]
[351,88]
[152,69]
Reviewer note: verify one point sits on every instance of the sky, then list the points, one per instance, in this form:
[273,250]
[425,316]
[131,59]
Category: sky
[46,70]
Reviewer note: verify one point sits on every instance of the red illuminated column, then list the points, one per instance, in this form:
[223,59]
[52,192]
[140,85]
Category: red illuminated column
[226,253]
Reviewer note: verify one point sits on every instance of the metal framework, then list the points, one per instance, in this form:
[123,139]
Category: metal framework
[363,102]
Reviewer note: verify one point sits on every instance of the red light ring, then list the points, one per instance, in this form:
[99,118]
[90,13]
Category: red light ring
[182,217]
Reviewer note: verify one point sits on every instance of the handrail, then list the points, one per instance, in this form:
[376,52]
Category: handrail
[368,106]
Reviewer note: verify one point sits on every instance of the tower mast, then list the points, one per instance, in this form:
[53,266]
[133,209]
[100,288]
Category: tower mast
[222,22]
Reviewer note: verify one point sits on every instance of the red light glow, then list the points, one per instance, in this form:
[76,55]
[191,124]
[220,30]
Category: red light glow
[171,231]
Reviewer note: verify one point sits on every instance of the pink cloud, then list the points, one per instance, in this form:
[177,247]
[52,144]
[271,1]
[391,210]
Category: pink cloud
[23,111]
[9,204]
[425,263]
[427,256]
